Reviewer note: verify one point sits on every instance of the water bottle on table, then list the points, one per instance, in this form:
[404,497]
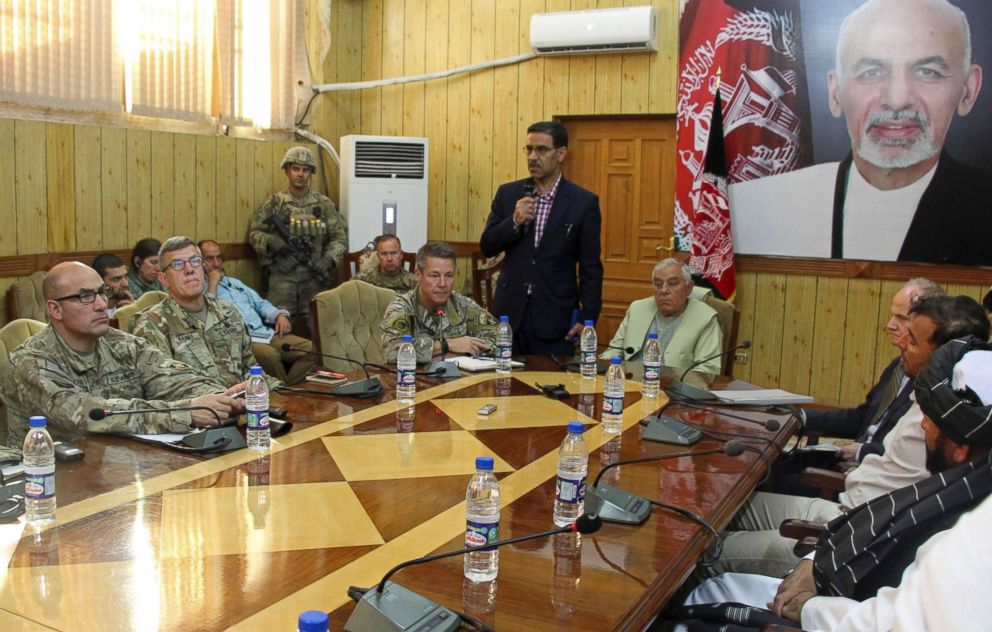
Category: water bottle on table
[504,346]
[482,522]
[406,367]
[257,405]
[613,396]
[39,472]
[587,347]
[652,366]
[573,464]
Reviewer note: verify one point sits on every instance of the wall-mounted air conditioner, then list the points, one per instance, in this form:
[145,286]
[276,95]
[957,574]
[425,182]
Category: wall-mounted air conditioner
[384,189]
[623,29]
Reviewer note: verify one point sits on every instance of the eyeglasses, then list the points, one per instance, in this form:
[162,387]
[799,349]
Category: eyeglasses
[540,150]
[179,264]
[86,297]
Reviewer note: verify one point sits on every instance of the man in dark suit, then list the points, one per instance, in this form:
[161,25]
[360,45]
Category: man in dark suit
[547,227]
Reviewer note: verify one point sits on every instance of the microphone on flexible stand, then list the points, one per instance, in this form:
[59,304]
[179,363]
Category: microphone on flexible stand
[392,607]
[363,389]
[615,505]
[685,392]
[575,365]
[770,424]
[220,439]
[442,368]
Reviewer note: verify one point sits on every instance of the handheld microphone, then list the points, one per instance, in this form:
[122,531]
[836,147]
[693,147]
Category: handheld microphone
[442,368]
[389,606]
[615,505]
[363,389]
[686,392]
[220,439]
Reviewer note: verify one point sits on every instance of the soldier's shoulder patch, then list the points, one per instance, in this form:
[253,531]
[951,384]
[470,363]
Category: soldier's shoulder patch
[399,323]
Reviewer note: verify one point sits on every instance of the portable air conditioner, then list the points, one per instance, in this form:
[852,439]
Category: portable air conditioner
[384,189]
[624,29]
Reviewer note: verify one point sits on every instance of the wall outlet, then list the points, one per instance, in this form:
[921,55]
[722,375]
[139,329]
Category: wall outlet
[741,357]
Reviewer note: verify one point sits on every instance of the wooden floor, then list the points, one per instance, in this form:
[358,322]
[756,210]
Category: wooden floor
[150,539]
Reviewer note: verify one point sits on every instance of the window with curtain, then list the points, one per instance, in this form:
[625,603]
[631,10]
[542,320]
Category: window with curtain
[225,61]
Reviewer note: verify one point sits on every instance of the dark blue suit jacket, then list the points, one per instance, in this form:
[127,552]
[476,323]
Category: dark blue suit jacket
[570,241]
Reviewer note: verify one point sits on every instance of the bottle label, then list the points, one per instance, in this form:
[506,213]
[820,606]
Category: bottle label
[505,352]
[479,533]
[406,377]
[613,405]
[39,482]
[258,420]
[588,358]
[570,489]
[652,371]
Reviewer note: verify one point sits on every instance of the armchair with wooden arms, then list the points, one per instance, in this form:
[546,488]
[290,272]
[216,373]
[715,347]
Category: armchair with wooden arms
[345,323]
[485,271]
[124,316]
[351,262]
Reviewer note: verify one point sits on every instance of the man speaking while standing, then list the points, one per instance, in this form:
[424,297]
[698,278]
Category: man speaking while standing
[552,276]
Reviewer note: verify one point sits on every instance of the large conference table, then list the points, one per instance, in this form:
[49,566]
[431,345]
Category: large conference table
[151,539]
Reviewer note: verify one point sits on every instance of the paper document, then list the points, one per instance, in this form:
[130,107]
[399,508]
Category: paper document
[470,363]
[169,437]
[262,339]
[762,397]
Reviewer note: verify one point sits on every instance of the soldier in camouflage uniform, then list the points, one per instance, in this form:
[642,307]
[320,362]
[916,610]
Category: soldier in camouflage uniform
[312,222]
[390,272]
[204,332]
[467,328]
[79,363]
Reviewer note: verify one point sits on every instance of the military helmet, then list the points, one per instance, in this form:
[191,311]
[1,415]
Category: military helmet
[299,156]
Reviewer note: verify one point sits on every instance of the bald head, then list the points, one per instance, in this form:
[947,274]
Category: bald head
[68,278]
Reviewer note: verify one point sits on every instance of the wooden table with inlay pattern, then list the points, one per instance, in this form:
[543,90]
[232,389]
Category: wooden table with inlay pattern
[149,539]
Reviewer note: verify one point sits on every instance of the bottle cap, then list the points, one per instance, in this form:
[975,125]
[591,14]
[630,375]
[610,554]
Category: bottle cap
[504,319]
[408,338]
[313,621]
[484,463]
[37,422]
[615,360]
[588,323]
[255,370]
[652,335]
[576,427]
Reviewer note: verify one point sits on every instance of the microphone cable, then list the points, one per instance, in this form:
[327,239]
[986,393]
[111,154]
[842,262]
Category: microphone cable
[718,545]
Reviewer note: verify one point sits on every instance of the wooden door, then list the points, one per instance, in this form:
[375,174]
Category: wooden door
[630,163]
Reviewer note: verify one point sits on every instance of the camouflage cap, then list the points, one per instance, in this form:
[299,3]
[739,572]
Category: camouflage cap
[299,156]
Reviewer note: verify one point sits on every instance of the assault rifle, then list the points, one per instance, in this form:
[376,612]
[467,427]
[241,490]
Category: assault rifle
[299,248]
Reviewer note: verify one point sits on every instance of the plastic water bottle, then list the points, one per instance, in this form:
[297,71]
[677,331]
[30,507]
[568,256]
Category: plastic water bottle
[613,397]
[482,522]
[313,621]
[652,366]
[504,346]
[406,371]
[573,464]
[587,346]
[39,472]
[257,405]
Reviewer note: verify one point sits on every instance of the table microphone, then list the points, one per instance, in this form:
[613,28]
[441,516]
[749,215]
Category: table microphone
[390,606]
[363,389]
[686,392]
[442,368]
[615,505]
[575,366]
[218,439]
[771,425]
[288,347]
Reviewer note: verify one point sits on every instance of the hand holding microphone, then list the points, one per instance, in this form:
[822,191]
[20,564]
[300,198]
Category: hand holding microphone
[525,210]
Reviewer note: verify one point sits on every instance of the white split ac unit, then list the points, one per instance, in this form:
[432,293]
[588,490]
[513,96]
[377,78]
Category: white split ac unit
[384,189]
[623,29]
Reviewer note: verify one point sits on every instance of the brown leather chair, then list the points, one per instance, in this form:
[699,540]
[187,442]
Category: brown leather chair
[11,336]
[351,263]
[729,318]
[485,272]
[25,299]
[346,321]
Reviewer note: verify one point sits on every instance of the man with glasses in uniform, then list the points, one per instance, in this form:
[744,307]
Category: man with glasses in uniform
[79,363]
[204,332]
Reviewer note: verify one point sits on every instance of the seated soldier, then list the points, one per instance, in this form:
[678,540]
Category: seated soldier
[688,329]
[114,274]
[144,267]
[201,331]
[79,363]
[440,320]
[387,270]
[268,325]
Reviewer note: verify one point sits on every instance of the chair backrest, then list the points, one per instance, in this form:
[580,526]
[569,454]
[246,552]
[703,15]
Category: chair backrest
[485,271]
[729,318]
[26,300]
[346,322]
[351,263]
[11,335]
[125,315]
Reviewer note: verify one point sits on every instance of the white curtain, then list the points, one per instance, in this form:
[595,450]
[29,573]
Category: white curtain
[60,54]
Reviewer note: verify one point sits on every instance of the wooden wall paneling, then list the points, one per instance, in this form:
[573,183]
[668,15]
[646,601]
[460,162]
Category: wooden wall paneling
[436,118]
[530,106]
[747,283]
[184,154]
[113,186]
[769,304]
[634,83]
[61,194]
[582,74]
[245,201]
[506,140]
[139,185]
[663,66]
[459,134]
[414,51]
[261,174]
[273,164]
[608,75]
[206,188]
[884,349]
[861,334]
[828,336]
[372,23]
[226,192]
[392,66]
[88,176]
[163,185]
[797,333]
[556,77]
[30,187]
[480,141]
[964,289]
[8,196]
